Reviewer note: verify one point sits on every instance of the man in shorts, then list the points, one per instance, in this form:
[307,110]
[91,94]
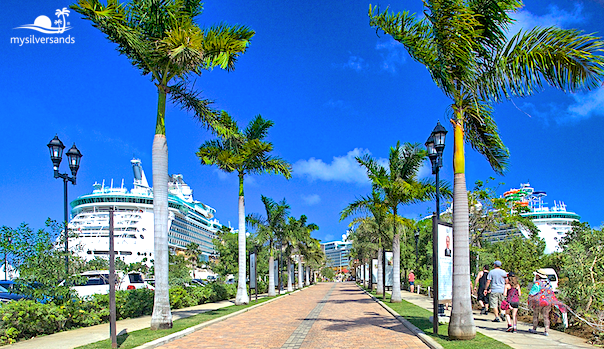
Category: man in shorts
[496,280]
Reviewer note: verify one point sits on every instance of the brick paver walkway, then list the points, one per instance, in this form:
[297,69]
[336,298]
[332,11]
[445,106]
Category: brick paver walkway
[328,315]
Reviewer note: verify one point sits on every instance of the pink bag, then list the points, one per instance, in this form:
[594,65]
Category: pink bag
[505,305]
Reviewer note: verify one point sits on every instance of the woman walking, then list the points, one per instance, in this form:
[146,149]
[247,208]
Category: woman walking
[541,299]
[512,296]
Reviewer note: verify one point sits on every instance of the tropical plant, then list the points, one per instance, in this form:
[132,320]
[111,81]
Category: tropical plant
[400,186]
[245,152]
[302,242]
[464,46]
[268,230]
[376,206]
[162,40]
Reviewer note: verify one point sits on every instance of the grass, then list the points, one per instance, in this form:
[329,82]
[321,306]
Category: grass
[140,337]
[420,317]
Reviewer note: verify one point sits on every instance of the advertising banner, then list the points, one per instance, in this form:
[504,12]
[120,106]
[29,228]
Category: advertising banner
[445,261]
[389,269]
[276,272]
[252,270]
[374,271]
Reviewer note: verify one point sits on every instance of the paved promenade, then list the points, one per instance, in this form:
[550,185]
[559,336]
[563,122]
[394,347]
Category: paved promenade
[327,315]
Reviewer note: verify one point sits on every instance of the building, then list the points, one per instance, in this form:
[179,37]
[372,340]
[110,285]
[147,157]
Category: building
[337,254]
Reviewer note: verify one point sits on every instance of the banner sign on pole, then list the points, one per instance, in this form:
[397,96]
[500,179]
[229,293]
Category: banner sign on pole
[445,261]
[374,271]
[252,270]
[276,272]
[389,269]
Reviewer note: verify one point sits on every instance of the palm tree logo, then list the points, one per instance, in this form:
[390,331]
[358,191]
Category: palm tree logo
[64,12]
[43,24]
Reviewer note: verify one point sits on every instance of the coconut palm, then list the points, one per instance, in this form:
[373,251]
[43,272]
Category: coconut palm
[161,39]
[302,242]
[400,186]
[244,152]
[376,206]
[315,257]
[268,230]
[464,46]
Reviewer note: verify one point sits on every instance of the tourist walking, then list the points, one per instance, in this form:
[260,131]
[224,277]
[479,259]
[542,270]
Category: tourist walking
[496,280]
[479,288]
[411,281]
[512,295]
[541,299]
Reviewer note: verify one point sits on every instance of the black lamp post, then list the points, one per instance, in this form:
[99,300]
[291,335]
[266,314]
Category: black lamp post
[436,145]
[73,156]
[416,248]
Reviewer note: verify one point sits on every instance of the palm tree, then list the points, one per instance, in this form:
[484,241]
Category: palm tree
[268,229]
[376,206]
[464,46]
[244,152]
[303,243]
[400,186]
[161,39]
[63,13]
[192,253]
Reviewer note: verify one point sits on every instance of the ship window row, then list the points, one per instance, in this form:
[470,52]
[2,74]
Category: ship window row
[104,253]
[550,216]
[130,200]
[183,224]
[191,232]
[188,239]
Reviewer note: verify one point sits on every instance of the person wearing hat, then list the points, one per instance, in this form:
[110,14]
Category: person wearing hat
[496,280]
[541,299]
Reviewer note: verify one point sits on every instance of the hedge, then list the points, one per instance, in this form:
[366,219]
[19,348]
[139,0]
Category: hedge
[25,319]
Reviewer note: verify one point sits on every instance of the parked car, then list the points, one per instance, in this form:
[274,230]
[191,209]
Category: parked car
[230,281]
[8,295]
[552,276]
[97,282]
[199,282]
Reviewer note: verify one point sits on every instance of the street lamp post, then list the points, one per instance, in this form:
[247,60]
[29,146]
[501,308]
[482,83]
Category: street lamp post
[73,155]
[436,145]
[416,247]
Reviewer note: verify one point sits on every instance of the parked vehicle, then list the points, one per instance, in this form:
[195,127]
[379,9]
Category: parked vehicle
[552,276]
[199,282]
[97,282]
[7,295]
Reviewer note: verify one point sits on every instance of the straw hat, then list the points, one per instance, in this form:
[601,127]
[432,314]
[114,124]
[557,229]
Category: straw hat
[541,273]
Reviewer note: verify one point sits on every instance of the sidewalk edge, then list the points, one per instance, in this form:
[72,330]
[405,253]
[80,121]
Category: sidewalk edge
[177,335]
[416,331]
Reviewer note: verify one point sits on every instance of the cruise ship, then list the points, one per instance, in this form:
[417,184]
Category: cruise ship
[553,222]
[189,221]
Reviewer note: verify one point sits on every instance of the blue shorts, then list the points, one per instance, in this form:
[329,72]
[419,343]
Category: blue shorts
[411,283]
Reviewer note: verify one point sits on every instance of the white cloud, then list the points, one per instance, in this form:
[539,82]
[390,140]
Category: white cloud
[393,54]
[587,104]
[312,199]
[555,16]
[223,176]
[341,169]
[355,63]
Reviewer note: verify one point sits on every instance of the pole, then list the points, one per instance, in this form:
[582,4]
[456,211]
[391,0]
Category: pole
[384,271]
[66,217]
[112,315]
[437,191]
[435,273]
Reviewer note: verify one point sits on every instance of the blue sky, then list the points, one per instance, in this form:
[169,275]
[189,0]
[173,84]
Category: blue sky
[334,89]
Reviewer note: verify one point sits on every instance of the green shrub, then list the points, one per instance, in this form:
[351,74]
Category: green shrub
[180,298]
[26,319]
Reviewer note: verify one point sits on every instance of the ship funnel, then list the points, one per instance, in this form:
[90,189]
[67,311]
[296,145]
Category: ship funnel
[139,174]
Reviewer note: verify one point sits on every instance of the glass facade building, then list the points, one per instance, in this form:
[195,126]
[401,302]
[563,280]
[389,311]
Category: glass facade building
[337,253]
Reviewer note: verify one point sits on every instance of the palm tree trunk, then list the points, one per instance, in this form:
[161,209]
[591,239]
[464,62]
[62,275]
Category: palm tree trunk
[300,275]
[396,296]
[461,325]
[242,296]
[290,276]
[307,278]
[271,275]
[380,279]
[161,317]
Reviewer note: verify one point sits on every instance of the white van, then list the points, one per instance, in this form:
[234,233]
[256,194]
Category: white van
[552,276]
[97,282]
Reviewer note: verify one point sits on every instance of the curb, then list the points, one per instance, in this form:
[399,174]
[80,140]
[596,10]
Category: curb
[177,335]
[416,331]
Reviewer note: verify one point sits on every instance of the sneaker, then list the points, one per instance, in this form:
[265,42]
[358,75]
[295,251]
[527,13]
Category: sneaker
[510,329]
[546,334]
[515,330]
[532,331]
[497,320]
